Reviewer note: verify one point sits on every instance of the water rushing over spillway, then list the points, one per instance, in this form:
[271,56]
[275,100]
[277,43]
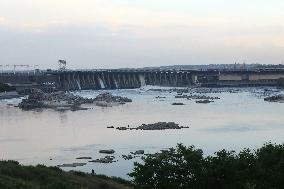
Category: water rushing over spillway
[239,119]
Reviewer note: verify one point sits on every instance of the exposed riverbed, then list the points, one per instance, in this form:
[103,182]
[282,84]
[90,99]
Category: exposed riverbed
[239,119]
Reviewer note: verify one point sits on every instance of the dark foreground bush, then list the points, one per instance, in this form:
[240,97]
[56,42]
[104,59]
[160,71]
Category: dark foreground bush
[186,168]
[15,176]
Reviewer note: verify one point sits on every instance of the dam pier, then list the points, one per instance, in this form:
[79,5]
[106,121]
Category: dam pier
[136,78]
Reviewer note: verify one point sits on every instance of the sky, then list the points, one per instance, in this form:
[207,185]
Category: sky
[93,34]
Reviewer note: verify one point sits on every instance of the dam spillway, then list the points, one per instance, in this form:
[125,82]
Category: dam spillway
[135,78]
[84,80]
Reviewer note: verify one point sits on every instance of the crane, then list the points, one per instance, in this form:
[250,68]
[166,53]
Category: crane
[62,64]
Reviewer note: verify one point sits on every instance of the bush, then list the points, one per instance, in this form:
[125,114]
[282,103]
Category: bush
[186,168]
[15,176]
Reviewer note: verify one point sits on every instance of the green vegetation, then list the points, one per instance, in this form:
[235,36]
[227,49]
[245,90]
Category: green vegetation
[186,168]
[5,87]
[15,176]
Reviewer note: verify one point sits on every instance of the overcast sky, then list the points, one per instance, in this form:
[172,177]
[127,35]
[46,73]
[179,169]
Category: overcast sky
[138,33]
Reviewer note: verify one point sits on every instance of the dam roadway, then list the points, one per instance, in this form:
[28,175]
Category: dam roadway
[135,78]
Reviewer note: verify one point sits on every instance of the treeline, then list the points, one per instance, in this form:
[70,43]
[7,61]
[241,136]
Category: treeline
[4,87]
[187,168]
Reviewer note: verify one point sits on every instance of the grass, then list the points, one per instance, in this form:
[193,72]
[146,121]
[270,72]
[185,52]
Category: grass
[16,176]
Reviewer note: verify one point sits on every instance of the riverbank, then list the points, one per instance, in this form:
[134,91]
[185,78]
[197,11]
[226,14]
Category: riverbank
[14,176]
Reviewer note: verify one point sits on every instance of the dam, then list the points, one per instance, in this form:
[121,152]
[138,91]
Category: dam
[136,78]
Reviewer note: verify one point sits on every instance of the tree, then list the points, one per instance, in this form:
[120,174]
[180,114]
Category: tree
[185,168]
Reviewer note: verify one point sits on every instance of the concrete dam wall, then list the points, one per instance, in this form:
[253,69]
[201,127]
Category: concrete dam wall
[119,80]
[130,79]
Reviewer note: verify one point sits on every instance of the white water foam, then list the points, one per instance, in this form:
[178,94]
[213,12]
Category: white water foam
[78,84]
[102,83]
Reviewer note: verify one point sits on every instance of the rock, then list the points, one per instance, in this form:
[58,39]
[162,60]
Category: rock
[181,96]
[106,159]
[158,97]
[122,128]
[184,127]
[103,104]
[203,97]
[127,157]
[107,97]
[72,165]
[111,151]
[160,126]
[76,108]
[84,158]
[154,126]
[60,99]
[138,152]
[204,101]
[178,104]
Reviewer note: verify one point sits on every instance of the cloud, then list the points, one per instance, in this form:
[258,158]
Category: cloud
[128,33]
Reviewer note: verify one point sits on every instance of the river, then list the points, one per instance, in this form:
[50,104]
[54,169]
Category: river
[236,121]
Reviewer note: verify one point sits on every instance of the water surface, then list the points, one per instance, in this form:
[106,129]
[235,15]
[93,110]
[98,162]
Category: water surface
[236,121]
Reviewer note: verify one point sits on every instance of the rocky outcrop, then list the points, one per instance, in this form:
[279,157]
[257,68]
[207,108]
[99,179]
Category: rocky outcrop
[62,100]
[39,99]
[107,97]
[111,151]
[109,100]
[138,152]
[127,157]
[178,104]
[106,159]
[84,157]
[72,165]
[277,98]
[204,101]
[159,97]
[197,97]
[160,126]
[132,155]
[155,126]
